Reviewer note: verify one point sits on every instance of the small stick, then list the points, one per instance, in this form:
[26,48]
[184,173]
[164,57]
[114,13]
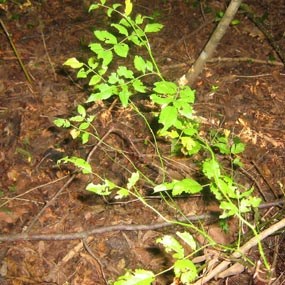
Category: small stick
[16,52]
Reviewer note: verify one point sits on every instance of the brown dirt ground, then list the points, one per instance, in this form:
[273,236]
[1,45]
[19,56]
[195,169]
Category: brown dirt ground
[249,101]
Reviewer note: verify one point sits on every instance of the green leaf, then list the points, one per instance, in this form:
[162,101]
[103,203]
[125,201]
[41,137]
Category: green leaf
[73,63]
[164,186]
[78,162]
[96,48]
[125,22]
[77,118]
[81,73]
[81,111]
[161,100]
[190,146]
[124,95]
[85,137]
[165,87]
[153,28]
[62,123]
[186,185]
[101,189]
[188,239]
[128,7]
[211,168]
[140,64]
[123,71]
[93,63]
[121,29]
[185,270]
[172,245]
[187,93]
[149,66]
[107,57]
[106,91]
[106,37]
[93,7]
[133,180]
[95,79]
[237,147]
[229,209]
[139,19]
[84,126]
[135,39]
[138,277]
[139,86]
[113,78]
[168,117]
[122,193]
[121,49]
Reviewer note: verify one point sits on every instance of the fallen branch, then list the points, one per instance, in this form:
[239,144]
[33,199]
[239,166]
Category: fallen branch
[86,234]
[242,250]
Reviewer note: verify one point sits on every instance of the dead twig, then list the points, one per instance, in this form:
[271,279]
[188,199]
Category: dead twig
[85,234]
[28,77]
[220,268]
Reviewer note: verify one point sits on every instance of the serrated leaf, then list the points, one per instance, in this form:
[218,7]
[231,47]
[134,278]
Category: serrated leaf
[73,63]
[153,28]
[161,100]
[107,57]
[138,86]
[171,245]
[186,185]
[190,146]
[96,48]
[121,29]
[121,49]
[106,37]
[185,270]
[165,87]
[133,180]
[168,117]
[187,93]
[188,239]
[124,95]
[140,64]
[62,123]
[123,71]
[211,168]
[138,277]
[98,189]
[139,19]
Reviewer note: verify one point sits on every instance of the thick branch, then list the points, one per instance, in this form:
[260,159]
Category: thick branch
[212,44]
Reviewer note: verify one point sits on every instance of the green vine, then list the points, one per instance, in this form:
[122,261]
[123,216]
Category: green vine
[179,126]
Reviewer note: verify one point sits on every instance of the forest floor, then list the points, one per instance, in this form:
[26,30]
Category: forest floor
[39,196]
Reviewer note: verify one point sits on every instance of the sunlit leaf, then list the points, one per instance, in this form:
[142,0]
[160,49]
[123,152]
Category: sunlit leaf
[186,185]
[168,117]
[153,28]
[185,270]
[138,277]
[121,29]
[73,63]
[106,37]
[128,7]
[165,87]
[172,246]
[121,49]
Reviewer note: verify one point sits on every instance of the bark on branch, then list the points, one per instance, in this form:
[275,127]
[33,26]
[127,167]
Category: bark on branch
[206,54]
